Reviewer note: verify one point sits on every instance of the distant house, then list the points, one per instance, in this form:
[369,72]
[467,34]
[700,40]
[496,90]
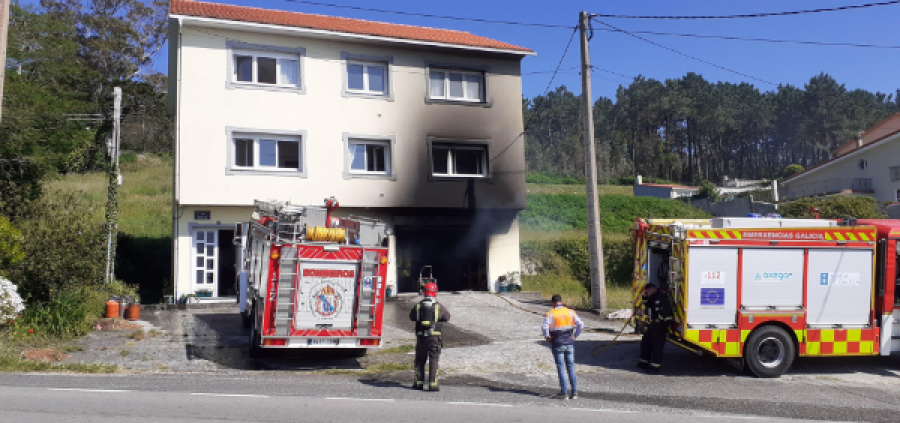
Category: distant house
[662,191]
[414,126]
[868,165]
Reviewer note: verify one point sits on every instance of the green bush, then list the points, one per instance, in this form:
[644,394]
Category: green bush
[64,242]
[570,255]
[835,207]
[10,244]
[69,313]
[618,213]
[128,157]
[791,170]
[710,191]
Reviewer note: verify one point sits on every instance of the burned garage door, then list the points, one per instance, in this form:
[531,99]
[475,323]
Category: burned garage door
[458,257]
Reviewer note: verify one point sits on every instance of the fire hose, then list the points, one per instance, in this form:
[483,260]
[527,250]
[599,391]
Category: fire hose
[594,351]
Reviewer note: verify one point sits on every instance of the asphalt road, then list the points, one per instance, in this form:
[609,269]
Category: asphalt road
[69,398]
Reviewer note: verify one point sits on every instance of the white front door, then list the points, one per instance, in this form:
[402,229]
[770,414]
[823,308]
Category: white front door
[205,261]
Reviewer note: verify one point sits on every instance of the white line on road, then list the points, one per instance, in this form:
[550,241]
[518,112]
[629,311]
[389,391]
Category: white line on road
[479,403]
[604,410]
[208,394]
[89,390]
[361,399]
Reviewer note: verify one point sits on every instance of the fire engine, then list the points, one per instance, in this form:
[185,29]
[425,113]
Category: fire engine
[311,280]
[763,291]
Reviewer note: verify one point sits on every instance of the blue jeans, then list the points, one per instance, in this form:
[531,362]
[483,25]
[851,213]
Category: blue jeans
[564,356]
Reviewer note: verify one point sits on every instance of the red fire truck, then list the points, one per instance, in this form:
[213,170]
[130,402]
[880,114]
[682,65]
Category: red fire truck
[310,280]
[763,291]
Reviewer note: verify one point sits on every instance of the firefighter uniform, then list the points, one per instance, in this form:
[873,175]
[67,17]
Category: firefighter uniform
[654,340]
[429,316]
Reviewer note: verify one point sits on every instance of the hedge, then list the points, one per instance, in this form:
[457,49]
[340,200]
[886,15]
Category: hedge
[570,255]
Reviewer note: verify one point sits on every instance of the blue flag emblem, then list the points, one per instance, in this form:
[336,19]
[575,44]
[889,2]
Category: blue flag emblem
[712,296]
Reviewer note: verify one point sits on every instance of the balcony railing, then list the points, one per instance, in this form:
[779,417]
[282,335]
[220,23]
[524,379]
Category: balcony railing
[828,186]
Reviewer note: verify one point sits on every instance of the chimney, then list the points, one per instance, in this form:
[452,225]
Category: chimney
[638,180]
[859,141]
[775,192]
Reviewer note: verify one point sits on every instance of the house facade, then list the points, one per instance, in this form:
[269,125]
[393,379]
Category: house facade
[415,126]
[868,165]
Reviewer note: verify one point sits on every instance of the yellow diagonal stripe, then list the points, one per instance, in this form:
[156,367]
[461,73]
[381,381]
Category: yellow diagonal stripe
[851,236]
[726,235]
[839,236]
[712,235]
[864,237]
[828,236]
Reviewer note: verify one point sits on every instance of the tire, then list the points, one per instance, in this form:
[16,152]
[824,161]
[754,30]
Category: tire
[254,350]
[769,352]
[359,352]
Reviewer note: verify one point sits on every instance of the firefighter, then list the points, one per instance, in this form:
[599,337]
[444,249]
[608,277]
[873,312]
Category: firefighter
[561,327]
[657,305]
[429,316]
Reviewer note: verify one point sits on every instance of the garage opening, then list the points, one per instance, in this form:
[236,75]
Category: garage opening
[458,257]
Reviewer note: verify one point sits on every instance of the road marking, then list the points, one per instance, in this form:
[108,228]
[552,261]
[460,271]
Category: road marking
[479,403]
[208,394]
[361,399]
[89,390]
[604,410]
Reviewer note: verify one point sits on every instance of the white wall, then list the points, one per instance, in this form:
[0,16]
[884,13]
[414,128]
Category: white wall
[880,158]
[207,108]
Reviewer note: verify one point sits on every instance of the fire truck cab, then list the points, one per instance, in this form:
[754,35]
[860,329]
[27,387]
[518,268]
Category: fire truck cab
[767,290]
[310,280]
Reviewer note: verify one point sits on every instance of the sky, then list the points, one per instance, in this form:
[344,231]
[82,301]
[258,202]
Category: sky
[623,57]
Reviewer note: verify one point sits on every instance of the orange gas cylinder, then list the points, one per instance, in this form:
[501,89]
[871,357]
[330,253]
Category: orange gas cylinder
[112,309]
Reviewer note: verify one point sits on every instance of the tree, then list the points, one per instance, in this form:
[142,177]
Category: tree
[791,170]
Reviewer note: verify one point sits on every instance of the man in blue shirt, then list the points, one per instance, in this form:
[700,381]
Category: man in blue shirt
[561,327]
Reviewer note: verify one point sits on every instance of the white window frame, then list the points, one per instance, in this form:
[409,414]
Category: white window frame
[366,66]
[234,134]
[451,163]
[276,52]
[386,158]
[386,141]
[446,97]
[366,61]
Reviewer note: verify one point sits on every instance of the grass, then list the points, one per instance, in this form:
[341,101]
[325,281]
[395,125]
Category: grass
[370,369]
[15,364]
[577,189]
[140,334]
[574,294]
[401,349]
[145,196]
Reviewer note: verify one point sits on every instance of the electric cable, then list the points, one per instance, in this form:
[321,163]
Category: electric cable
[427,15]
[758,15]
[765,40]
[538,106]
[685,54]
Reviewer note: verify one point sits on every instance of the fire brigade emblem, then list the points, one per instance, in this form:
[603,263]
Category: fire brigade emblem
[327,302]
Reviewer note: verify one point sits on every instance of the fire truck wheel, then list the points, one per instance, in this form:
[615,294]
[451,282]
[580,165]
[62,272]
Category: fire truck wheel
[769,352]
[255,351]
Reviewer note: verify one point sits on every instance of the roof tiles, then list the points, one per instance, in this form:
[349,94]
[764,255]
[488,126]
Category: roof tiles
[331,23]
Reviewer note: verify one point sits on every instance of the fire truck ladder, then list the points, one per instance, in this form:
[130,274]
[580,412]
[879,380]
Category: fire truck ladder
[365,313]
[284,305]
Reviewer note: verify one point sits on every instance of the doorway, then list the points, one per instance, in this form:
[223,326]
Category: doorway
[457,254]
[213,262]
[227,273]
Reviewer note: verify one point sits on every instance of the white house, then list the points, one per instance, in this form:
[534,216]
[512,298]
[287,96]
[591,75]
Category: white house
[418,127]
[868,165]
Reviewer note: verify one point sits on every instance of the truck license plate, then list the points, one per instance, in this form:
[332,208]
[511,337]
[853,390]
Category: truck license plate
[324,341]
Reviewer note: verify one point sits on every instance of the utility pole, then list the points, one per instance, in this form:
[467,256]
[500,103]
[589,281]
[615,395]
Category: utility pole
[4,33]
[112,206]
[595,244]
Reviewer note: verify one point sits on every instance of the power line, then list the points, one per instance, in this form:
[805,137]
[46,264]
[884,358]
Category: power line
[684,54]
[766,40]
[538,106]
[759,15]
[426,15]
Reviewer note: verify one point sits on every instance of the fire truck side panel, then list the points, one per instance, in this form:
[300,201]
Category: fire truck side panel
[772,278]
[839,287]
[712,286]
[326,293]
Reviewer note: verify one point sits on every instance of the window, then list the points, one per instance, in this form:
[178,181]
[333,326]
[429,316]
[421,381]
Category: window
[863,164]
[267,153]
[367,156]
[367,78]
[895,173]
[445,84]
[457,160]
[274,69]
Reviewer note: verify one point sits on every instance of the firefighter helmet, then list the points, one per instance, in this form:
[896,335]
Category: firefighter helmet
[431,289]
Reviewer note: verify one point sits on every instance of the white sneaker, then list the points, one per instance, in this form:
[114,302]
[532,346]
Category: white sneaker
[574,395]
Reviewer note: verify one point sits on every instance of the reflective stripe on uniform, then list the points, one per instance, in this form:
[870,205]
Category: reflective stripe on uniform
[561,319]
